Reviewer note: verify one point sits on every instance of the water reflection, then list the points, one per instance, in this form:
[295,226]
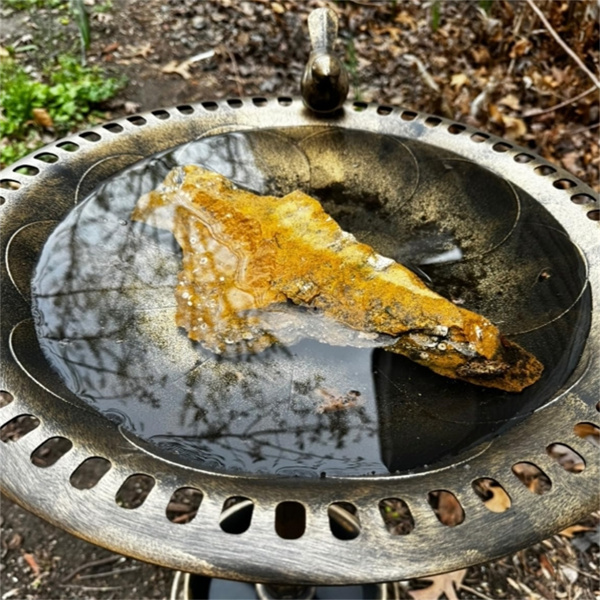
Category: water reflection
[104,310]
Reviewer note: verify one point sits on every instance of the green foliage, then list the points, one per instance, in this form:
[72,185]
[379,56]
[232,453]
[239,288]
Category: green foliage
[83,23]
[32,4]
[486,5]
[69,94]
[436,14]
[352,67]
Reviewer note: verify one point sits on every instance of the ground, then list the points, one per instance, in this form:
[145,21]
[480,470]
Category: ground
[494,65]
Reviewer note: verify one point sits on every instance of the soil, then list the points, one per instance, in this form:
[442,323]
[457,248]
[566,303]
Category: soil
[500,70]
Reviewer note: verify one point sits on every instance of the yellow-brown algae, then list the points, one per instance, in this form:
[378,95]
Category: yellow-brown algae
[246,256]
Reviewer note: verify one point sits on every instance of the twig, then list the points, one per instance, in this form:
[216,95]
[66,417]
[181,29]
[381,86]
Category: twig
[462,586]
[88,588]
[583,129]
[107,573]
[236,71]
[543,111]
[94,563]
[560,41]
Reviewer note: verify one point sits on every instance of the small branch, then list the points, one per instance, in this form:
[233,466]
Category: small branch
[462,586]
[560,41]
[543,111]
[584,129]
[236,71]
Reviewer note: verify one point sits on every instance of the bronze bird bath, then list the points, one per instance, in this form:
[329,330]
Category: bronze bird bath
[487,223]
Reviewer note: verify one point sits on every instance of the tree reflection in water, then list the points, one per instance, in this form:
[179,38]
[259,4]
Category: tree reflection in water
[104,310]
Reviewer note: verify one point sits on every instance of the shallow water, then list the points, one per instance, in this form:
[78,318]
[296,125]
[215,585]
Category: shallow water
[104,306]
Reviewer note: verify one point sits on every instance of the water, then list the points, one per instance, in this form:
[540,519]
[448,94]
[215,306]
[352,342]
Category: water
[103,294]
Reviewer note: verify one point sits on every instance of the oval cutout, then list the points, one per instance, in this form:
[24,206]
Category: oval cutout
[50,452]
[46,157]
[583,199]
[456,128]
[566,457]
[68,146]
[89,473]
[492,494]
[137,120]
[479,137]
[396,516]
[5,398]
[532,477]
[9,184]
[236,516]
[523,158]
[186,109]
[290,520]
[446,507]
[593,215]
[384,110]
[343,520]
[28,170]
[501,147]
[90,136]
[564,184]
[18,427]
[113,127]
[134,491]
[588,431]
[545,170]
[163,115]
[183,505]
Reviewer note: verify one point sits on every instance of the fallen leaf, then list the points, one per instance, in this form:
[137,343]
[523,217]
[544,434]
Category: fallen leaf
[110,48]
[458,80]
[513,127]
[131,107]
[569,532]
[405,19]
[511,101]
[182,69]
[30,560]
[499,502]
[440,584]
[42,118]
[520,48]
[277,8]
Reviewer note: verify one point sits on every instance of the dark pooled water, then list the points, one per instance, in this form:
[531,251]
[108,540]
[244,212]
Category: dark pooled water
[104,308]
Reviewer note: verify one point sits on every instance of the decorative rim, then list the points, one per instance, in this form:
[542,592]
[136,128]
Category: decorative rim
[259,553]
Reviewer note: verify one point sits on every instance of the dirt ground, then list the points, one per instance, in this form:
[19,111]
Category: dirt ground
[498,69]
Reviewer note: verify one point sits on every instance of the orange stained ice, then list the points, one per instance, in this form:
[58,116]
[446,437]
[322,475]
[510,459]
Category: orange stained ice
[247,256]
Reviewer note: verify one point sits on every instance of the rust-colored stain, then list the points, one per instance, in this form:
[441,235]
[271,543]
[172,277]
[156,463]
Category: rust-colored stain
[246,255]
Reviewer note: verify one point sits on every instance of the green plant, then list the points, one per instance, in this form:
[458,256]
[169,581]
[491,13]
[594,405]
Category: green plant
[69,94]
[436,15]
[486,5]
[352,67]
[31,4]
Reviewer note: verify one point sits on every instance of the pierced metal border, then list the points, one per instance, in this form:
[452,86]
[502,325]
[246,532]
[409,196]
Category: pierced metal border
[45,190]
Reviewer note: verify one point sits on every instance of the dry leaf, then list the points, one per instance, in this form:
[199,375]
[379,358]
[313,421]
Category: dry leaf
[500,501]
[569,532]
[277,8]
[30,560]
[520,48]
[42,118]
[513,127]
[511,101]
[458,80]
[405,19]
[440,584]
[182,69]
